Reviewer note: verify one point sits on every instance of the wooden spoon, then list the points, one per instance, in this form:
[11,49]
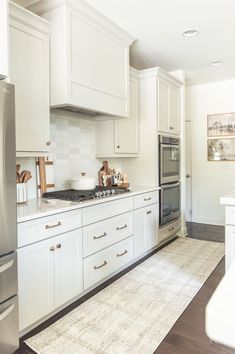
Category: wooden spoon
[27,176]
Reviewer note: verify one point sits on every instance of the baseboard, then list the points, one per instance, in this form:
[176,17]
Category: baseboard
[208,221]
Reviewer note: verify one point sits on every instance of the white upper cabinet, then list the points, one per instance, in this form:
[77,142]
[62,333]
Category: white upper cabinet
[89,59]
[29,72]
[3,38]
[168,106]
[120,137]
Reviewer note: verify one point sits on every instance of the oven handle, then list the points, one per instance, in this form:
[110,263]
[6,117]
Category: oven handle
[169,145]
[170,185]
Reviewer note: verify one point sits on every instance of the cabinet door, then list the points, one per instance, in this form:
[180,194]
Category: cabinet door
[174,109]
[29,72]
[145,228]
[68,266]
[163,105]
[35,282]
[127,130]
[3,38]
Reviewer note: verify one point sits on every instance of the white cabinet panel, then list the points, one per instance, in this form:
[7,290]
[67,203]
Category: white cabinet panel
[3,38]
[29,72]
[94,77]
[68,266]
[174,109]
[35,282]
[163,105]
[146,229]
[105,233]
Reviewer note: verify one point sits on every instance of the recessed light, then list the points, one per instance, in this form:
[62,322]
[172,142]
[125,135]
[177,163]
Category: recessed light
[216,63]
[190,33]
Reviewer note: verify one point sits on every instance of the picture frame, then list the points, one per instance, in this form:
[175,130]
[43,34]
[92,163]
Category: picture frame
[220,125]
[221,149]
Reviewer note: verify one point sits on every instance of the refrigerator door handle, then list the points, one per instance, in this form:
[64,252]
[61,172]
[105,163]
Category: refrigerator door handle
[6,312]
[5,266]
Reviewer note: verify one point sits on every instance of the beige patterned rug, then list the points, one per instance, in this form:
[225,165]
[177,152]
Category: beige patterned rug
[135,313]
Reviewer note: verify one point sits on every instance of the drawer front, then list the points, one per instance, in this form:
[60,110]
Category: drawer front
[104,263]
[103,211]
[145,199]
[230,215]
[229,246]
[40,229]
[105,233]
[168,230]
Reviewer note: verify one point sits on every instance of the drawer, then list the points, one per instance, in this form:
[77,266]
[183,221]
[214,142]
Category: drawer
[168,230]
[104,263]
[42,228]
[106,210]
[105,233]
[144,199]
[229,246]
[230,215]
[8,276]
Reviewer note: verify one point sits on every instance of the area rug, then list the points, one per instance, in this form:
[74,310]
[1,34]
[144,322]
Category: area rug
[134,314]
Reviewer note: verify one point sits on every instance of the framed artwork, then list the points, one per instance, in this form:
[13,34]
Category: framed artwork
[221,149]
[222,124]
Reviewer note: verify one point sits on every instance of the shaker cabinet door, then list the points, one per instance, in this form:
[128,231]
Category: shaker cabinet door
[3,38]
[29,72]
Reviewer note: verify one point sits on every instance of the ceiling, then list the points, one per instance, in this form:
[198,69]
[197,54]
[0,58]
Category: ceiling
[158,25]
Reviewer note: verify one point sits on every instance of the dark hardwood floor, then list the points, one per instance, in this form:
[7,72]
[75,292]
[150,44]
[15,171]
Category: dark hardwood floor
[188,335]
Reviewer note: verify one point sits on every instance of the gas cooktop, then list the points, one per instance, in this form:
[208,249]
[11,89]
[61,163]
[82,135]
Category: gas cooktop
[79,196]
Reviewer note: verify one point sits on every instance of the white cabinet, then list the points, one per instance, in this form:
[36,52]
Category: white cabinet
[3,38]
[168,107]
[49,274]
[146,229]
[120,137]
[229,236]
[29,72]
[89,59]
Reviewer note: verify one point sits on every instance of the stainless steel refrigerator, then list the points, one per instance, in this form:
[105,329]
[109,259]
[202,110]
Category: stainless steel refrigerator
[9,328]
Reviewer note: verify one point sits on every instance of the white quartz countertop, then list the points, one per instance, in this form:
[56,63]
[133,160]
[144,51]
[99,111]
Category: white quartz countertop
[228,199]
[37,208]
[220,311]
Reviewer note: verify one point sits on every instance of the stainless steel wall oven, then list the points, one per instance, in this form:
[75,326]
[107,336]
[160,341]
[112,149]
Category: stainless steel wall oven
[169,203]
[169,159]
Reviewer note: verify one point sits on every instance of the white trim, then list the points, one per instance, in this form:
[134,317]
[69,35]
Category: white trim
[209,221]
[28,18]
[157,71]
[86,10]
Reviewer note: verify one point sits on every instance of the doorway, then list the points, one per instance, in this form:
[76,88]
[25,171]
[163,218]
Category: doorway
[188,170]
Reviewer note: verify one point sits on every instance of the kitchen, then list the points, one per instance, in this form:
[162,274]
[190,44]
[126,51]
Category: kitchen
[105,139]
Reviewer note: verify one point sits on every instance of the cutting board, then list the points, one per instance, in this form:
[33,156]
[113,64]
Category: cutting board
[45,175]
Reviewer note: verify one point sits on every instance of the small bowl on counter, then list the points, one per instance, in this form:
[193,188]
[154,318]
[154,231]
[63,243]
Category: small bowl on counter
[83,183]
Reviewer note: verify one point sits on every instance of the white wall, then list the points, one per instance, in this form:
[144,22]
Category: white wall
[210,180]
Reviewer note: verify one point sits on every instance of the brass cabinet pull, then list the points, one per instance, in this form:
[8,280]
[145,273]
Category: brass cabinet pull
[121,227]
[149,212]
[97,237]
[48,143]
[122,254]
[146,199]
[118,146]
[58,246]
[171,229]
[51,226]
[102,265]
[172,128]
[52,248]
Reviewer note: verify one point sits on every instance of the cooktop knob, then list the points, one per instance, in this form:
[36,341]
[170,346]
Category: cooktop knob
[113,191]
[108,193]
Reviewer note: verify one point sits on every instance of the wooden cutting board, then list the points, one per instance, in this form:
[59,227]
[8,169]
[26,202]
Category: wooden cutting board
[45,175]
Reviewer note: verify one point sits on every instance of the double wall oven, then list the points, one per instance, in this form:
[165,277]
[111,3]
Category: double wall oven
[169,177]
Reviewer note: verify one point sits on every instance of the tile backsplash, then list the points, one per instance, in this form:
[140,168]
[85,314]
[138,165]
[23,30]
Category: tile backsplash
[73,149]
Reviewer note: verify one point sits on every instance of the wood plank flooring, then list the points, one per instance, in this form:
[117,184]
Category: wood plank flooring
[188,335]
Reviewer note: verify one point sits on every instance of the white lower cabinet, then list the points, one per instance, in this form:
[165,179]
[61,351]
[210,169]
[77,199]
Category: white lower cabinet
[49,274]
[145,229]
[107,261]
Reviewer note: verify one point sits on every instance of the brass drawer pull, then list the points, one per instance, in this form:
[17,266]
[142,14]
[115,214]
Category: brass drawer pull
[171,229]
[172,128]
[51,226]
[121,227]
[97,237]
[146,199]
[102,265]
[122,254]
[58,246]
[52,248]
[149,212]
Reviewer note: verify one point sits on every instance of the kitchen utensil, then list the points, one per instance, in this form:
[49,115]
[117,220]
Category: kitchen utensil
[42,174]
[27,176]
[22,176]
[83,183]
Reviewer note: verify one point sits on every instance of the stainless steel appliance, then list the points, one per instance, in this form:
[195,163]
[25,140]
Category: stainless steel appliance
[169,203]
[80,196]
[169,159]
[9,331]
